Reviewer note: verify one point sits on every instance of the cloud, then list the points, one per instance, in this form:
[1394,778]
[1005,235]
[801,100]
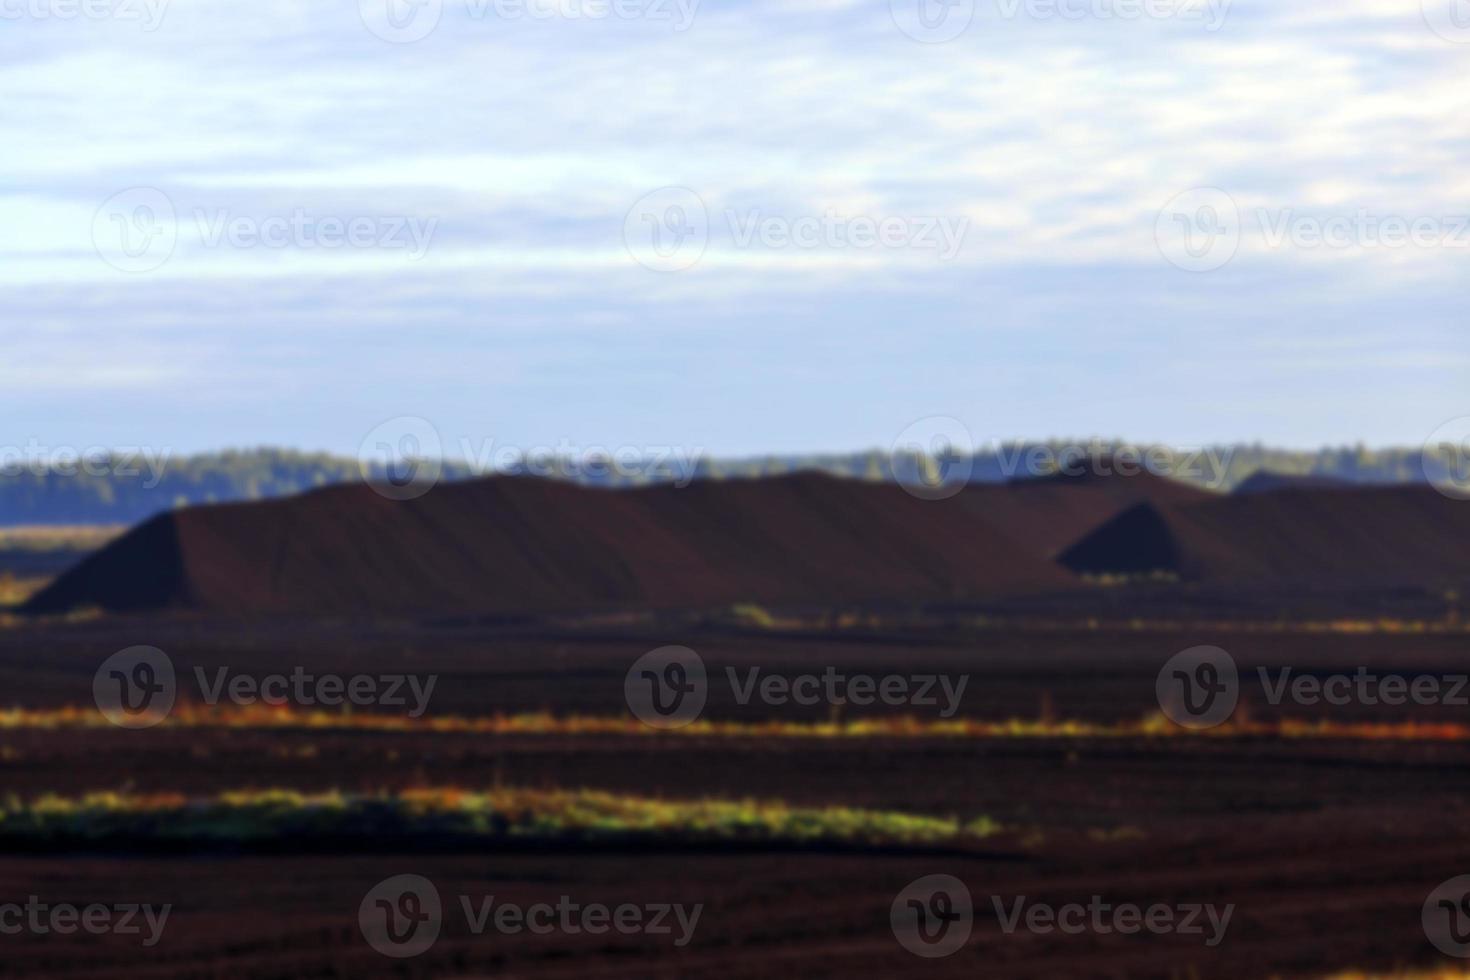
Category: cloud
[526,141]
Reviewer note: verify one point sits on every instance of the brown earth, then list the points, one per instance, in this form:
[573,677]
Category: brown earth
[1326,848]
[1380,538]
[518,545]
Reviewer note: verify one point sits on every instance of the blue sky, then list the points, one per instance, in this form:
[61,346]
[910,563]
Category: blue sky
[501,168]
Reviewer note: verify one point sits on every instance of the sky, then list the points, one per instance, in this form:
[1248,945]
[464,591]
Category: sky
[740,225]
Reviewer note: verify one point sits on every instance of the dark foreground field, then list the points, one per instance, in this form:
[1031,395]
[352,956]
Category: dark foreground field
[1325,846]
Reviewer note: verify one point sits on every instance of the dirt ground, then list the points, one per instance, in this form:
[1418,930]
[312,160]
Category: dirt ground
[1325,848]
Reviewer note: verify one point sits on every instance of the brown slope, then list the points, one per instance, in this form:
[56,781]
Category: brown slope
[513,545]
[1378,537]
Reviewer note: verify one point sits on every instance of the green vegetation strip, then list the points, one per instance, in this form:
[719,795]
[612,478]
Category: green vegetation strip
[449,815]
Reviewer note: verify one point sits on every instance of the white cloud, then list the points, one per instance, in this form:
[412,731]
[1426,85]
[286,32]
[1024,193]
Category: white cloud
[528,141]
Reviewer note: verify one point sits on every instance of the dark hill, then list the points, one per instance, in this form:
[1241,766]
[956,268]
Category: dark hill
[518,545]
[1389,537]
[1047,514]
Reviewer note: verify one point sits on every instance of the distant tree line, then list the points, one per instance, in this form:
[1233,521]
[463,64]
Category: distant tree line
[122,490]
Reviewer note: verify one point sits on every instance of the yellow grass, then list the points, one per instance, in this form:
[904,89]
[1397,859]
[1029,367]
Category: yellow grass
[83,537]
[498,813]
[189,715]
